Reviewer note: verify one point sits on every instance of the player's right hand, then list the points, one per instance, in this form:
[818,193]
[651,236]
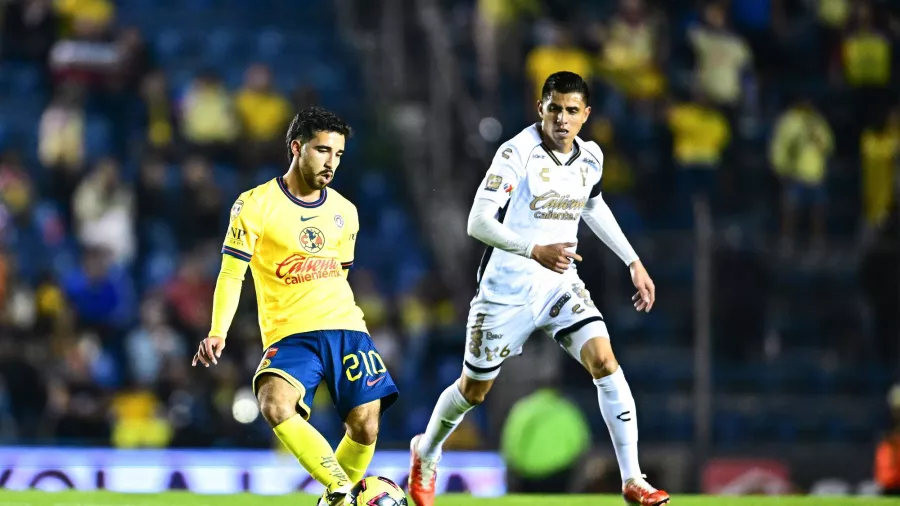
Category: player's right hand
[555,256]
[210,349]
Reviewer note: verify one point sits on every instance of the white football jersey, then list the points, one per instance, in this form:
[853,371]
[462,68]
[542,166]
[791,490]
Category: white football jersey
[541,195]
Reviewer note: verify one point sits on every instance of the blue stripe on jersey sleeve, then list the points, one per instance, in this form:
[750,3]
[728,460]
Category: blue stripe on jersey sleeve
[236,253]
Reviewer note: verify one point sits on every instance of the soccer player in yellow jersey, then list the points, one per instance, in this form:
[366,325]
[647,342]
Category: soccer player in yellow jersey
[298,237]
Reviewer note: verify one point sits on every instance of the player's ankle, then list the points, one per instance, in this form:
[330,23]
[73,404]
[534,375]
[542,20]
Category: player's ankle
[340,487]
[426,451]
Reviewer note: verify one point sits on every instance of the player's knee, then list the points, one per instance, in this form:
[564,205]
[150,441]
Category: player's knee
[363,431]
[275,410]
[598,358]
[601,366]
[276,404]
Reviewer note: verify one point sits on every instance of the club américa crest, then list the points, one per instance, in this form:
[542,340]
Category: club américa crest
[312,239]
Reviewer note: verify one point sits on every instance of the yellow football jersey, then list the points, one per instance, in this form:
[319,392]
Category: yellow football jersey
[297,252]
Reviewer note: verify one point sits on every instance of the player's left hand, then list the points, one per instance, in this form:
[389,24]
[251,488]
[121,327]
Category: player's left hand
[646,294]
[210,349]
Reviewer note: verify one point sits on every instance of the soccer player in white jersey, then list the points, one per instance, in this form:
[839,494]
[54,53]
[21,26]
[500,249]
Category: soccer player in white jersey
[543,181]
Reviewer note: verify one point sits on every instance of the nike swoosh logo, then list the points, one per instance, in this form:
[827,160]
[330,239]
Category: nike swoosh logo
[374,382]
[307,219]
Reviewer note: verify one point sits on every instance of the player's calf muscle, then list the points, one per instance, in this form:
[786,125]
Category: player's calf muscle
[362,422]
[277,399]
[474,391]
[364,432]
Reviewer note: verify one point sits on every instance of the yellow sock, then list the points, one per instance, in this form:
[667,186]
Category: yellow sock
[313,452]
[354,457]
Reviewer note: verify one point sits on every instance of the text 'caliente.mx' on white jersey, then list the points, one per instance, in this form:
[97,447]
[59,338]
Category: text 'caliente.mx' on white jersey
[540,195]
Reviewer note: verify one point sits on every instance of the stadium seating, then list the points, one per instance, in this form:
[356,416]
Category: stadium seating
[298,40]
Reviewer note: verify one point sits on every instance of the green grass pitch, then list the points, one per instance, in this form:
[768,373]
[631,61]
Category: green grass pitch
[186,499]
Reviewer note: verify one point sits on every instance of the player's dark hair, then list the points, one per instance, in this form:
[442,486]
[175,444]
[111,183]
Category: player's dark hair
[565,82]
[312,120]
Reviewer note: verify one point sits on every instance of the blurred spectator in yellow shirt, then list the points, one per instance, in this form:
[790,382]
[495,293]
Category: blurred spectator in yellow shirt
[159,115]
[618,176]
[555,52]
[91,15]
[700,134]
[800,148]
[833,13]
[722,56]
[16,190]
[264,115]
[52,310]
[61,131]
[866,53]
[208,118]
[497,31]
[631,47]
[866,60]
[880,147]
[139,421]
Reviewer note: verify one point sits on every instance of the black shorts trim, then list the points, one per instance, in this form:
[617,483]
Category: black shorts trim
[576,326]
[481,370]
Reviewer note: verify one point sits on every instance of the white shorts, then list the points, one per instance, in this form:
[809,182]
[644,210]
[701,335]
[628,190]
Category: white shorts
[498,331]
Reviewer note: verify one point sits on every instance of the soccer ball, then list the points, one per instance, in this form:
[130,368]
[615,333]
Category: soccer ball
[376,491]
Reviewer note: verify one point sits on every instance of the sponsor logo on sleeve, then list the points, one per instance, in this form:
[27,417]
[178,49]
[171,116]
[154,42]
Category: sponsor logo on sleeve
[493,183]
[236,209]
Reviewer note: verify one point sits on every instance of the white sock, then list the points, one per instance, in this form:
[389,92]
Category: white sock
[617,407]
[449,411]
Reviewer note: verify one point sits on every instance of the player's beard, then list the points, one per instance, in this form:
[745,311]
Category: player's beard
[311,178]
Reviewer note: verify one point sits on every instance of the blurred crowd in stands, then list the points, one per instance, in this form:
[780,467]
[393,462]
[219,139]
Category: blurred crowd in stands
[113,203]
[126,133]
[808,82]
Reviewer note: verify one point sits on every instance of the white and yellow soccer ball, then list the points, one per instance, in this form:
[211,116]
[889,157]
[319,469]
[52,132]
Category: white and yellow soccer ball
[376,491]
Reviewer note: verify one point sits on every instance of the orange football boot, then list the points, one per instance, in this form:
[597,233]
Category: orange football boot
[422,474]
[637,491]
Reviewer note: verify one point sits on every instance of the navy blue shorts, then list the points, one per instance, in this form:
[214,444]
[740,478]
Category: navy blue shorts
[345,359]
